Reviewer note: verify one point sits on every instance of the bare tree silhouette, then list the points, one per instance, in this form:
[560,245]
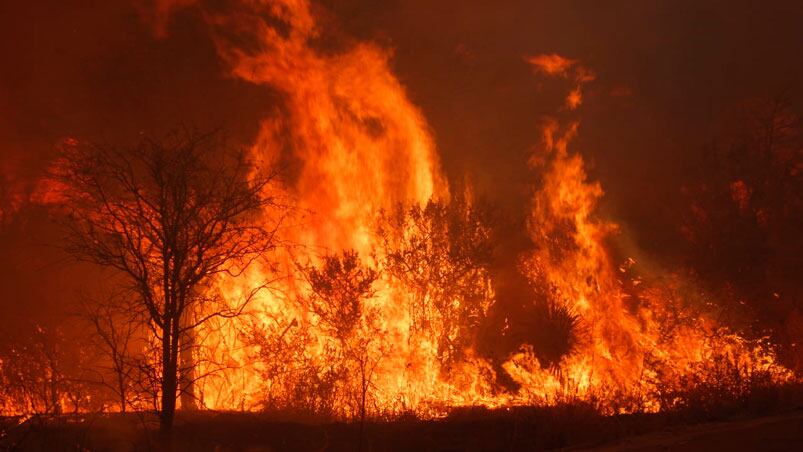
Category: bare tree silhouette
[170,215]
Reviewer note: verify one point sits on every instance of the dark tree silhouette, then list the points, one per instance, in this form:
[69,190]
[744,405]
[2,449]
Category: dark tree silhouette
[169,215]
[744,221]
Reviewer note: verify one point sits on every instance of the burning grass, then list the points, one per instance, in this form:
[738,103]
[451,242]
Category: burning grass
[566,424]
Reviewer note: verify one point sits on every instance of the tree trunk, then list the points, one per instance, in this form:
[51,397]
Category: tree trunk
[168,406]
[122,395]
[169,380]
[363,393]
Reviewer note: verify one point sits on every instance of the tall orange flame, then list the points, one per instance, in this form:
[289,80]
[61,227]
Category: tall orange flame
[356,145]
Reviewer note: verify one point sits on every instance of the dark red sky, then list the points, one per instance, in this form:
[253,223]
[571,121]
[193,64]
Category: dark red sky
[669,73]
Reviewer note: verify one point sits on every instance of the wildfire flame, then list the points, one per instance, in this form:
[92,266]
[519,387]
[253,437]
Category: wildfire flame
[355,145]
[361,147]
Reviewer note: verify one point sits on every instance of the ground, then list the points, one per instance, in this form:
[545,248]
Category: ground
[773,433]
[471,430]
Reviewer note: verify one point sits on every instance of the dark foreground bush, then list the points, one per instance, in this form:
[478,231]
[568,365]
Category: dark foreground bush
[465,429]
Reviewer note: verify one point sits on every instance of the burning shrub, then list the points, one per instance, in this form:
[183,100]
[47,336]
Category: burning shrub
[293,383]
[338,302]
[442,253]
[339,292]
[735,375]
[40,374]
